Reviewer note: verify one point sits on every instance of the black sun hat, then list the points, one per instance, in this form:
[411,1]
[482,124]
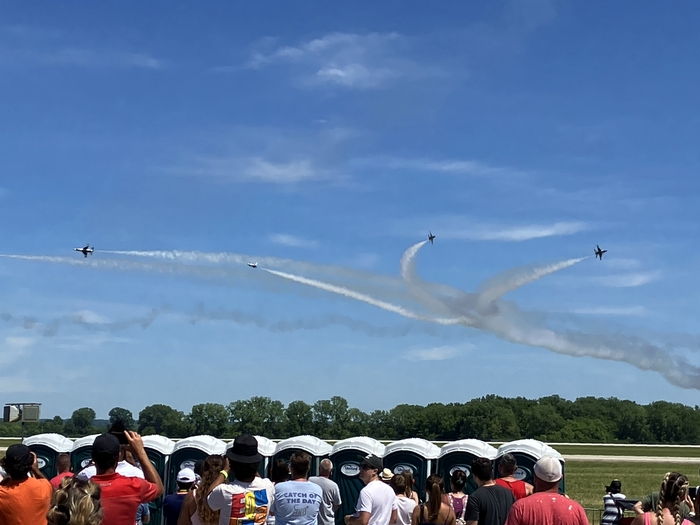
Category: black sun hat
[244,450]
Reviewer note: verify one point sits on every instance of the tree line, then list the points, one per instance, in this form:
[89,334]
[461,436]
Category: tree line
[489,418]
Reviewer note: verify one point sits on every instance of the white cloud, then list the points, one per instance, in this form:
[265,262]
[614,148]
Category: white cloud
[255,169]
[292,241]
[613,310]
[454,166]
[349,60]
[438,353]
[90,317]
[629,280]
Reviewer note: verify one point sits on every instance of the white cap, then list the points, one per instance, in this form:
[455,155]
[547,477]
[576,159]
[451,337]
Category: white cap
[186,475]
[548,469]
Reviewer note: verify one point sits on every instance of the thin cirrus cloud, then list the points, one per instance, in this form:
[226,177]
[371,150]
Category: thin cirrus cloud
[449,166]
[463,229]
[253,169]
[349,60]
[438,353]
[292,241]
[629,280]
[613,310]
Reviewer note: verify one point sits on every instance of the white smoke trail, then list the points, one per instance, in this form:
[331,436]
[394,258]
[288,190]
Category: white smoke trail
[389,307]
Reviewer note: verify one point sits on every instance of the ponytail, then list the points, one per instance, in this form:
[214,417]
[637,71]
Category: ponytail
[434,486]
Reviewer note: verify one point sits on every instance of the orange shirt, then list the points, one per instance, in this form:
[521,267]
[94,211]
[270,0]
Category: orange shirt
[25,502]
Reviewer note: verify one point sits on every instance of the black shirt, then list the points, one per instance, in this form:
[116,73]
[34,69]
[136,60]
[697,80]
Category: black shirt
[489,505]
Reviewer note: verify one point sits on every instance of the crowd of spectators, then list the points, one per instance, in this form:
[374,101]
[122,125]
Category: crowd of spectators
[120,481]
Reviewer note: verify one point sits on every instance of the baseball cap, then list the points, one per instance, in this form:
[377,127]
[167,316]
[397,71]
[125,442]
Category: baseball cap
[186,475]
[18,454]
[244,450]
[374,462]
[548,469]
[105,445]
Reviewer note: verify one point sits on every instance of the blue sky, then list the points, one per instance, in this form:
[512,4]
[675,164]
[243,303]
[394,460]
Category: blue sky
[519,133]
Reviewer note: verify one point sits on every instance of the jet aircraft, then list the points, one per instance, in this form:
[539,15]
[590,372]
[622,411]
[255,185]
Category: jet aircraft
[431,238]
[253,265]
[85,250]
[598,252]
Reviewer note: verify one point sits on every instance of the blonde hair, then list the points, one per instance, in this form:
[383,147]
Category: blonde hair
[673,490]
[76,502]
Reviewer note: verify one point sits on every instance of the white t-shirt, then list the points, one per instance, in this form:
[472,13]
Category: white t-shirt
[296,503]
[331,498]
[124,468]
[242,503]
[404,510]
[378,499]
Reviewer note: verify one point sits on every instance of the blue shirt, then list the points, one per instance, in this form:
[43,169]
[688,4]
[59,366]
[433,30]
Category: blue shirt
[172,503]
[296,503]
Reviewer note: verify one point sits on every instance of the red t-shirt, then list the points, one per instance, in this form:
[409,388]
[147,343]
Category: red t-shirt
[121,496]
[517,487]
[24,502]
[546,508]
[56,480]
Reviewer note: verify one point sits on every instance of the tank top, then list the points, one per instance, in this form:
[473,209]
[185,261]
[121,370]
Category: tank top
[422,518]
[459,506]
[517,487]
[195,517]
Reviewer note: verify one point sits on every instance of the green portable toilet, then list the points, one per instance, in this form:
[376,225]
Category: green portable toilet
[47,447]
[81,454]
[158,449]
[527,452]
[418,456]
[266,448]
[459,455]
[317,448]
[346,456]
[187,452]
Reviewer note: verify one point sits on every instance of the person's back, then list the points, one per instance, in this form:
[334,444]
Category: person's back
[404,505]
[297,502]
[63,467]
[172,503]
[516,486]
[490,503]
[435,511]
[612,513]
[24,500]
[330,498]
[546,508]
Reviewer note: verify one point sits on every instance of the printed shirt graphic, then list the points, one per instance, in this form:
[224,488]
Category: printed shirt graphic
[243,503]
[297,503]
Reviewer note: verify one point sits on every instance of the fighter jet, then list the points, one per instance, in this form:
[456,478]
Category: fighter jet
[253,265]
[85,250]
[431,238]
[598,252]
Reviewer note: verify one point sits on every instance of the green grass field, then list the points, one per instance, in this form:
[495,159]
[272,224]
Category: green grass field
[4,442]
[629,450]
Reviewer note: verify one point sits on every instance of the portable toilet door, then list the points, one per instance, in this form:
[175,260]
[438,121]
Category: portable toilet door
[459,455]
[47,447]
[158,450]
[81,453]
[317,448]
[187,452]
[415,455]
[346,455]
[527,452]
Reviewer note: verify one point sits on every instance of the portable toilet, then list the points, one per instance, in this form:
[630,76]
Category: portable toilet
[158,449]
[459,455]
[81,453]
[416,455]
[187,452]
[47,447]
[527,452]
[346,456]
[317,448]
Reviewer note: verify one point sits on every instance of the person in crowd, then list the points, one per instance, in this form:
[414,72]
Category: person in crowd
[143,514]
[376,503]
[490,503]
[121,495]
[247,497]
[297,501]
[613,513]
[546,506]
[63,468]
[279,471]
[75,501]
[410,484]
[330,499]
[438,512]
[195,510]
[650,503]
[24,499]
[506,468]
[386,475]
[126,466]
[172,503]
[672,495]
[404,504]
[457,498]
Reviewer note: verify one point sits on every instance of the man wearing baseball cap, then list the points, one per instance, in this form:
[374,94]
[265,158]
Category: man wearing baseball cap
[376,504]
[24,500]
[172,503]
[241,496]
[546,506]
